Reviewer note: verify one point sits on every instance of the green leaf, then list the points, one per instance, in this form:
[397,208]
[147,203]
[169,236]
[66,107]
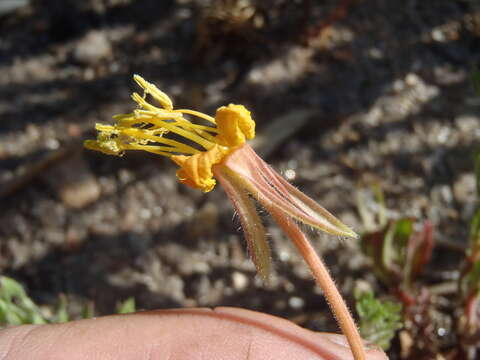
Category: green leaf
[61,315]
[16,308]
[395,243]
[378,320]
[380,198]
[470,282]
[475,232]
[128,306]
[88,311]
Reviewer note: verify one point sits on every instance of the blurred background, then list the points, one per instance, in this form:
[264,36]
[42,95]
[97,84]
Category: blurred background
[369,106]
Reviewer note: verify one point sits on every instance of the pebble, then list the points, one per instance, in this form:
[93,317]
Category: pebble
[283,70]
[296,302]
[74,183]
[468,123]
[79,194]
[92,48]
[21,251]
[412,79]
[438,35]
[239,281]
[464,188]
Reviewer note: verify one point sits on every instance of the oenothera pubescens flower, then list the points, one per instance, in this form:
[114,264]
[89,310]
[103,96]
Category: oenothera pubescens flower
[216,148]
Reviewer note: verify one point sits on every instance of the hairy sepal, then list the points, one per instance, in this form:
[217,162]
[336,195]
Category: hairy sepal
[271,190]
[255,235]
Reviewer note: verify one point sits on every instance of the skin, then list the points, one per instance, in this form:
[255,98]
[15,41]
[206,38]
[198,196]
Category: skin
[183,334]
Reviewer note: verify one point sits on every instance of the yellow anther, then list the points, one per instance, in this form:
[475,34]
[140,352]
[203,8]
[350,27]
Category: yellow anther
[151,89]
[105,145]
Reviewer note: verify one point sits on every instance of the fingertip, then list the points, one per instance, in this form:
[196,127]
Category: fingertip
[222,333]
[291,331]
[10,338]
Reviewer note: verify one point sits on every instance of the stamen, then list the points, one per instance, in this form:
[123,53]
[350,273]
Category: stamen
[176,145]
[151,89]
[155,149]
[143,103]
[197,114]
[189,135]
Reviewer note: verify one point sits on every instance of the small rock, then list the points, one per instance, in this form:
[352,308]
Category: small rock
[438,35]
[74,183]
[21,251]
[406,344]
[239,281]
[464,188]
[376,53]
[412,79]
[398,85]
[292,65]
[175,287]
[92,48]
[362,286]
[296,302]
[54,236]
[467,123]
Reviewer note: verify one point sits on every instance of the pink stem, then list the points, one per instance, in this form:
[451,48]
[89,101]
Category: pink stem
[324,280]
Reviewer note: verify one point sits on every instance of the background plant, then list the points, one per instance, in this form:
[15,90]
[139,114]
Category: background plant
[399,251]
[17,308]
[379,320]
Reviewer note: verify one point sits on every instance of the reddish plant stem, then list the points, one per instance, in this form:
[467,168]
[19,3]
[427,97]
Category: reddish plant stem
[324,280]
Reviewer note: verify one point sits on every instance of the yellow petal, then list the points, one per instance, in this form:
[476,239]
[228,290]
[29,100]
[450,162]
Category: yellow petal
[234,124]
[196,170]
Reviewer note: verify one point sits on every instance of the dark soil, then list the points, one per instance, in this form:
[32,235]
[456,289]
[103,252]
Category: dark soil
[388,82]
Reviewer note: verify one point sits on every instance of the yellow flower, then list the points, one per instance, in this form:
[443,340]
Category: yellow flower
[217,148]
[145,127]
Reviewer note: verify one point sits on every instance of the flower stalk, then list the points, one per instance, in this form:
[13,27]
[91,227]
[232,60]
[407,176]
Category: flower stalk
[219,150]
[236,188]
[325,281]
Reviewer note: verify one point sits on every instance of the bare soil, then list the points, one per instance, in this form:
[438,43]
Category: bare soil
[391,100]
